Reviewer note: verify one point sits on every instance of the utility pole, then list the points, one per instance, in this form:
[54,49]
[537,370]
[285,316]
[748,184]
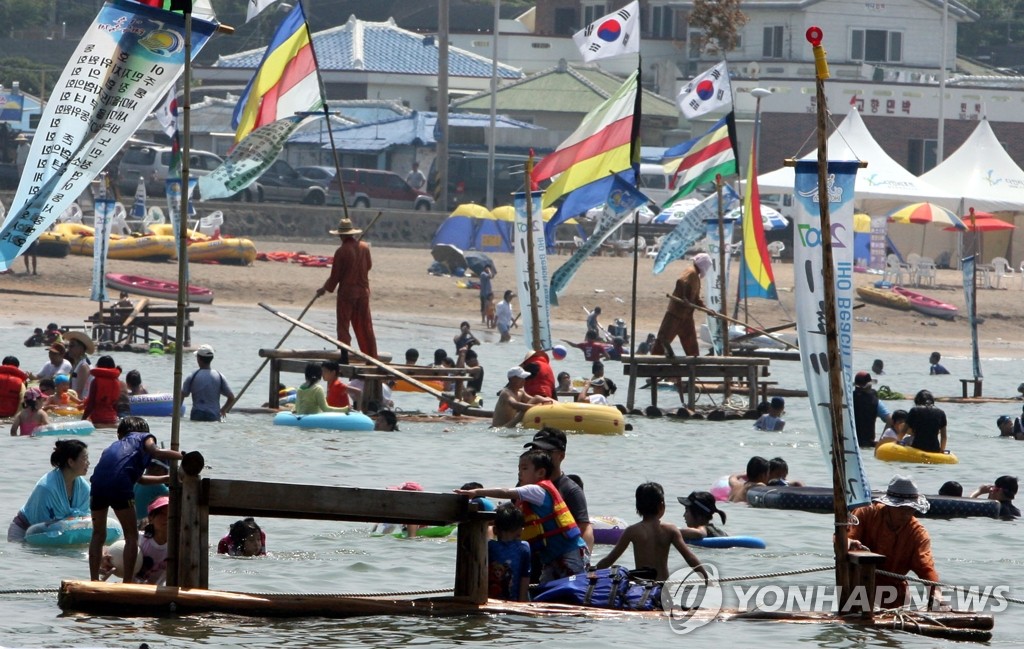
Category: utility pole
[441,130]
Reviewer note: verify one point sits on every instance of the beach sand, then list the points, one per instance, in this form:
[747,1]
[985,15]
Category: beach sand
[402,288]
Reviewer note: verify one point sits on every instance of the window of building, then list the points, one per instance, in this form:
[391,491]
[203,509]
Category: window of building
[922,156]
[662,22]
[876,45]
[773,41]
[566,21]
[591,12]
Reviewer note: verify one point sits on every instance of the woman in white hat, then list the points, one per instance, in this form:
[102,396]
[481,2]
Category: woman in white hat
[79,347]
[889,527]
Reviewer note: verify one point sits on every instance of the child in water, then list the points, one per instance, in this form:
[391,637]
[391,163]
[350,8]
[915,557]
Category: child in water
[508,557]
[63,396]
[700,510]
[244,539]
[310,398]
[31,416]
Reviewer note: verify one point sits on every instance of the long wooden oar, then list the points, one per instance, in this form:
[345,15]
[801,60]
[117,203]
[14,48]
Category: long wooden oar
[716,314]
[457,406]
[252,378]
[781,327]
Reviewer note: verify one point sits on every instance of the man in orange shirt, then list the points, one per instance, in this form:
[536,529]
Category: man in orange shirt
[678,320]
[350,272]
[889,527]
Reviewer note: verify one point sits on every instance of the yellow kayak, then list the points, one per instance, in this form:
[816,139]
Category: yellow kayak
[892,452]
[883,297]
[578,417]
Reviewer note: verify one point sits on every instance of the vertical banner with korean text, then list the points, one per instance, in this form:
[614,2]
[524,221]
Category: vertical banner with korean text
[808,240]
[123,66]
[715,281]
[104,219]
[540,265]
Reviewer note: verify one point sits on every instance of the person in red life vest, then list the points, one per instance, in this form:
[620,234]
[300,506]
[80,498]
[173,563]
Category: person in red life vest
[104,393]
[542,381]
[550,528]
[678,320]
[12,386]
[350,273]
[337,391]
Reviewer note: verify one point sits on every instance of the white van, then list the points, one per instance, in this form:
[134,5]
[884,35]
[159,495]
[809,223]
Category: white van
[654,183]
[150,162]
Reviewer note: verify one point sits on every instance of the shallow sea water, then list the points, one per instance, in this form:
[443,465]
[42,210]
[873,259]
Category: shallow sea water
[318,556]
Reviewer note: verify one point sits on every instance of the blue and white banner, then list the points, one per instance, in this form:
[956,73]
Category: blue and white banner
[622,201]
[103,221]
[691,228]
[139,206]
[120,70]
[540,266]
[808,240]
[969,270]
[716,282]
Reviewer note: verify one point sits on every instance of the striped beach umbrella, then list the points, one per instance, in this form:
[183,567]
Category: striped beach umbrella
[926,213]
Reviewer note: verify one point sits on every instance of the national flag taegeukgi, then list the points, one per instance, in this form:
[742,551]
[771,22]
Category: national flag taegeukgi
[616,34]
[699,160]
[707,92]
[755,262]
[167,114]
[286,82]
[582,167]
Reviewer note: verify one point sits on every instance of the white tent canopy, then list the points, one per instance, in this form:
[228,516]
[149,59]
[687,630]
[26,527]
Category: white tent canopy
[882,186]
[982,173]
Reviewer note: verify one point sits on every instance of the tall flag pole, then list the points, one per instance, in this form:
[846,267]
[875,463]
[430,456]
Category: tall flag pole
[634,157]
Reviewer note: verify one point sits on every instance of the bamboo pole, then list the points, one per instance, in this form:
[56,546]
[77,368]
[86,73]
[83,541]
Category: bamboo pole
[531,269]
[840,539]
[723,277]
[716,314]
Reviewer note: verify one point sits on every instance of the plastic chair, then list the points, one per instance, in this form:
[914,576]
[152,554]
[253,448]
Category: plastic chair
[1002,269]
[153,216]
[654,248]
[926,270]
[210,224]
[775,249]
[73,214]
[894,270]
[119,222]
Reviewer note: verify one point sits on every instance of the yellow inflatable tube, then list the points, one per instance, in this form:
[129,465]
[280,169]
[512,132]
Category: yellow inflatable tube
[898,453]
[578,417]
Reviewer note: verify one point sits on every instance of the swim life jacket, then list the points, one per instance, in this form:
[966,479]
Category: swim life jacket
[104,394]
[550,532]
[865,410]
[11,380]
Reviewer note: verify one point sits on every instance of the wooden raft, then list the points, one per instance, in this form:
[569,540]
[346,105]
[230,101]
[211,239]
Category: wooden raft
[694,370]
[153,321]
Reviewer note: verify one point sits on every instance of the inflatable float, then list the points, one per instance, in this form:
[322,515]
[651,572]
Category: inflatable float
[427,532]
[203,248]
[819,500]
[153,405]
[720,489]
[76,427]
[149,247]
[608,530]
[65,410]
[330,420]
[898,453]
[883,297]
[76,530]
[577,417]
[52,244]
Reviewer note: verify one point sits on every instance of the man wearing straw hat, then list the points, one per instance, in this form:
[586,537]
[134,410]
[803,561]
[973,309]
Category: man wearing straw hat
[888,527]
[350,273]
[678,320]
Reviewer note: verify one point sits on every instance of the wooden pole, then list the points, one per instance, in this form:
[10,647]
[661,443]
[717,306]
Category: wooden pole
[836,393]
[716,314]
[531,269]
[723,277]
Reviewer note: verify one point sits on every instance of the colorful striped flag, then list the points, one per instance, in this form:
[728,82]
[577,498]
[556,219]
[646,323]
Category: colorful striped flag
[758,278]
[286,82]
[582,166]
[698,161]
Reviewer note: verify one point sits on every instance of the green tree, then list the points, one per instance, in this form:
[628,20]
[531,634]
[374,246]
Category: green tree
[720,22]
[29,74]
[1001,22]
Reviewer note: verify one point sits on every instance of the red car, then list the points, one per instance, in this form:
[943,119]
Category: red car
[375,188]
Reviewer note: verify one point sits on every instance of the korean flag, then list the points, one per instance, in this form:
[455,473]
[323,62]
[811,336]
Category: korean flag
[616,34]
[710,91]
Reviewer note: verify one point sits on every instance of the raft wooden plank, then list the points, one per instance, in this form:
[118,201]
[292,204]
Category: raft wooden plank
[276,500]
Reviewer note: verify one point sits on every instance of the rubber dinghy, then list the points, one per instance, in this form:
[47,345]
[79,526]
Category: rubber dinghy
[329,420]
[152,287]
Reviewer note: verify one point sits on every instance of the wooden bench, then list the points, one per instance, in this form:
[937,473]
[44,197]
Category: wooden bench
[153,321]
[692,370]
[977,387]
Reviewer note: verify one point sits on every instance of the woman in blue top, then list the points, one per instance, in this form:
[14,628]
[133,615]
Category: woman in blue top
[61,493]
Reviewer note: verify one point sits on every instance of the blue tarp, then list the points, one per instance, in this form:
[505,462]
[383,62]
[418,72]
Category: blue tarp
[466,233]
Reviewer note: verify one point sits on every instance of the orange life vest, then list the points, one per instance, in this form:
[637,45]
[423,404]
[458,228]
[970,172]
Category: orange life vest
[553,532]
[11,380]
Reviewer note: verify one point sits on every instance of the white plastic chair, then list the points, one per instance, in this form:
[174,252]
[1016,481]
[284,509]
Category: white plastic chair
[654,248]
[910,266]
[73,214]
[119,222]
[210,224]
[775,249]
[926,270]
[153,216]
[1002,269]
[894,270]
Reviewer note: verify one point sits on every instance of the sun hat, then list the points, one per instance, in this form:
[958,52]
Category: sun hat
[159,503]
[703,262]
[205,351]
[345,227]
[85,341]
[903,492]
[517,373]
[702,500]
[58,347]
[862,378]
[32,394]
[548,439]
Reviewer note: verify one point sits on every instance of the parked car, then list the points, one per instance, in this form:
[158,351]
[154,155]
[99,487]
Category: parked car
[376,188]
[321,174]
[280,182]
[151,161]
[467,177]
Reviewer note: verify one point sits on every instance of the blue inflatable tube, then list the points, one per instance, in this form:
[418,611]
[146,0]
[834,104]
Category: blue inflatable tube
[729,542]
[77,427]
[330,420]
[76,530]
[153,405]
[819,500]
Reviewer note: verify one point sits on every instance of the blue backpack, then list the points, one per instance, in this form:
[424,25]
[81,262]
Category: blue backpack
[611,587]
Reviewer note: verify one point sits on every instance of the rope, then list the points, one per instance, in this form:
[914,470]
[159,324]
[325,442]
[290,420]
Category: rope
[939,584]
[29,591]
[763,575]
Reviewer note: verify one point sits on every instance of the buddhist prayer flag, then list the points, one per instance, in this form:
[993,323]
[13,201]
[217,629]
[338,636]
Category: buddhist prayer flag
[757,278]
[697,161]
[582,167]
[708,92]
[286,81]
[616,34]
